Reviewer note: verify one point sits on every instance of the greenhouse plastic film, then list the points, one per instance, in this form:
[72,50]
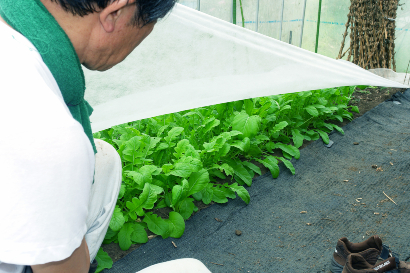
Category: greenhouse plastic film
[193,60]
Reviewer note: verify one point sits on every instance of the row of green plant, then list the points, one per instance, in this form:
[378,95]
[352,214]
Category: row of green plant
[176,159]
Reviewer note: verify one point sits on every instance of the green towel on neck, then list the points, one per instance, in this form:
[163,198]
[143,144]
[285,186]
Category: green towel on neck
[33,21]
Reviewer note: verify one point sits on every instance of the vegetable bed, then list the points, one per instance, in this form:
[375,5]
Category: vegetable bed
[175,163]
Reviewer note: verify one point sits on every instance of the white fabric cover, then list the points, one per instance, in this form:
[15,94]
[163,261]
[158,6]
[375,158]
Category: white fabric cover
[192,60]
[44,184]
[403,78]
[265,17]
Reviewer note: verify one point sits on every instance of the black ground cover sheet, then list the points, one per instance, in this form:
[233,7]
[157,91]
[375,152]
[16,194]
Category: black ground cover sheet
[292,223]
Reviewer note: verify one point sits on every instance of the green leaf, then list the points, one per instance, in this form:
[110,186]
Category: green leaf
[326,125]
[137,177]
[229,193]
[340,130]
[149,195]
[297,138]
[280,126]
[161,204]
[183,170]
[286,107]
[242,192]
[235,133]
[252,166]
[313,135]
[209,147]
[157,225]
[177,224]
[122,191]
[149,144]
[146,200]
[210,125]
[104,260]
[185,166]
[339,118]
[197,196]
[161,130]
[270,118]
[263,111]
[186,207]
[247,125]
[198,181]
[322,101]
[286,155]
[355,109]
[219,195]
[324,136]
[173,134]
[249,105]
[240,171]
[224,150]
[319,106]
[177,193]
[207,194]
[162,146]
[238,105]
[135,206]
[117,219]
[124,236]
[182,146]
[147,171]
[217,173]
[274,108]
[130,153]
[272,164]
[110,233]
[312,111]
[139,235]
[243,144]
[166,168]
[220,108]
[288,165]
[291,150]
[262,138]
[228,169]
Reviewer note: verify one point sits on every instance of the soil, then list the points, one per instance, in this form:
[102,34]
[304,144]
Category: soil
[364,99]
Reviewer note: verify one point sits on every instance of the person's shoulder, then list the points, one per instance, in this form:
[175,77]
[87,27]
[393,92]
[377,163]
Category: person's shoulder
[29,90]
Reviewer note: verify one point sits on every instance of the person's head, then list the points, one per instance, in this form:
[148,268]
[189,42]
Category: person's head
[104,32]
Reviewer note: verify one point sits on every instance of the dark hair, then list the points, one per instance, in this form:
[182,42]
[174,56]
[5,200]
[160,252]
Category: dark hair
[147,12]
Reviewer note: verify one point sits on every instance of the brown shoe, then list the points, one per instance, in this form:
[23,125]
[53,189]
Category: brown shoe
[370,250]
[357,264]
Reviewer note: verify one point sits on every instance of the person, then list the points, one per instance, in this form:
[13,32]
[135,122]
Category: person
[59,186]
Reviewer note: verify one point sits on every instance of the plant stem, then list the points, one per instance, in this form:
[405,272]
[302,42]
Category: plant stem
[243,18]
[318,25]
[234,12]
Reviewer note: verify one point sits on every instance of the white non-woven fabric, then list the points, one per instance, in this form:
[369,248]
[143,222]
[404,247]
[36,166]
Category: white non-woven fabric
[187,265]
[286,19]
[193,60]
[44,184]
[403,78]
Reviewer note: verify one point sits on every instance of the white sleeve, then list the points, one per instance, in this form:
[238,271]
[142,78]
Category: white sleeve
[46,166]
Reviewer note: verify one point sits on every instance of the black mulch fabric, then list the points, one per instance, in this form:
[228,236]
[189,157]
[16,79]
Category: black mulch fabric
[338,188]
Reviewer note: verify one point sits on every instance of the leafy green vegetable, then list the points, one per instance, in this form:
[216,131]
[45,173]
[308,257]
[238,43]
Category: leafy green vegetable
[173,161]
[177,224]
[157,225]
[104,261]
[124,236]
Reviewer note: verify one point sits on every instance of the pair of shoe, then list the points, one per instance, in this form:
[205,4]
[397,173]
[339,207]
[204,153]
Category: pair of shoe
[370,256]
